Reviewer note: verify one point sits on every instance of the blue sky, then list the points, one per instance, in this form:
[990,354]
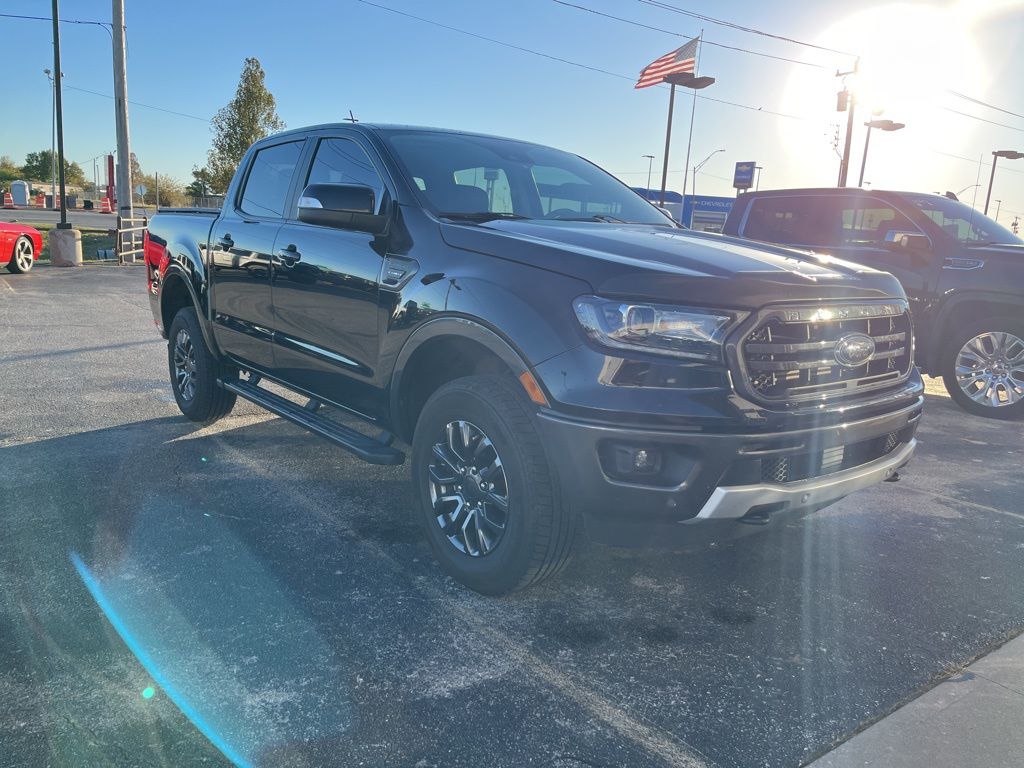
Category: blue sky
[324,57]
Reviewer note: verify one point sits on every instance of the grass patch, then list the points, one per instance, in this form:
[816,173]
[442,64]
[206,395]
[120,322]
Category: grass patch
[92,239]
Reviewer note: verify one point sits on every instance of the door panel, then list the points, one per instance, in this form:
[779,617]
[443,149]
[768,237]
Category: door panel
[241,255]
[243,310]
[326,313]
[325,290]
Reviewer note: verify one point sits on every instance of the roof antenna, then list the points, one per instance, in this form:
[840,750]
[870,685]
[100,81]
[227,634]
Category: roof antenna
[351,118]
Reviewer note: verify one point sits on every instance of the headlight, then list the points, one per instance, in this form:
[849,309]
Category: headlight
[676,331]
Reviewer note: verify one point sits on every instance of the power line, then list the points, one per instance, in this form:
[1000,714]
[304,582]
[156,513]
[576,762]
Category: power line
[705,41]
[106,25]
[972,160]
[139,104]
[982,119]
[979,101]
[619,75]
[732,25]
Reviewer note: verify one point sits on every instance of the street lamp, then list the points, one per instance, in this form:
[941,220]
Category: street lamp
[686,80]
[1009,154]
[650,165]
[696,170]
[757,180]
[882,125]
[999,204]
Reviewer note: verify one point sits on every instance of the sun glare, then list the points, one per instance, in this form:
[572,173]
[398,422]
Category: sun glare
[911,55]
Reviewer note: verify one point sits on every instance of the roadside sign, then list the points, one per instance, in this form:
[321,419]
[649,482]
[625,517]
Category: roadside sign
[141,189]
[743,178]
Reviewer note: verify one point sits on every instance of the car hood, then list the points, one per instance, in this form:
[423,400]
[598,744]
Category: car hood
[673,265]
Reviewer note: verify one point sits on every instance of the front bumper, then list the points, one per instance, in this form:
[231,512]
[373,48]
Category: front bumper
[719,477]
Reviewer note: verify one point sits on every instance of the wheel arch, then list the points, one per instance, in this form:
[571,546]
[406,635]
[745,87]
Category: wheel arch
[970,307]
[440,351]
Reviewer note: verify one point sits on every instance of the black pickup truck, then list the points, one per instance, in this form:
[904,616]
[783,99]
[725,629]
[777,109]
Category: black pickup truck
[555,350]
[963,274]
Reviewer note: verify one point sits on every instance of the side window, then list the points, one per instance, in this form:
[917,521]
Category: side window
[266,186]
[798,220]
[868,221]
[342,161]
[493,181]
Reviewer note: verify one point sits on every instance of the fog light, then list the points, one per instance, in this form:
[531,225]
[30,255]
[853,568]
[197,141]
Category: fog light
[630,460]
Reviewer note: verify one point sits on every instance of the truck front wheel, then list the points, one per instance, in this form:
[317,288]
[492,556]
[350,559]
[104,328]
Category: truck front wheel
[983,368]
[194,371]
[486,491]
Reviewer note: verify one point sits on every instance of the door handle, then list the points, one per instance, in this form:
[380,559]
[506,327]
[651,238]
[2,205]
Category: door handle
[225,243]
[287,257]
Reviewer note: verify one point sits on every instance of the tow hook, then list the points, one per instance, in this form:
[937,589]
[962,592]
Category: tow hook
[893,478]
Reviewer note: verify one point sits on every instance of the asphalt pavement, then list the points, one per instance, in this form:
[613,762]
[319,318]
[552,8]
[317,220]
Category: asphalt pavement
[246,593]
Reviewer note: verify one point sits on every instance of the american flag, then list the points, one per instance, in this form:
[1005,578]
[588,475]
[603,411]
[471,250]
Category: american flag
[681,59]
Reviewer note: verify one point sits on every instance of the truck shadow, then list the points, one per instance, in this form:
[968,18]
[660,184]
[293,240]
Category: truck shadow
[281,596]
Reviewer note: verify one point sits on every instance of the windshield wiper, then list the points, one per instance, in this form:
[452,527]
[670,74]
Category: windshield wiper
[596,217]
[481,216]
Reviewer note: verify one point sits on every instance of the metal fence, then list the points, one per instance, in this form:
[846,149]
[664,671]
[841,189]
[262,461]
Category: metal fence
[128,241]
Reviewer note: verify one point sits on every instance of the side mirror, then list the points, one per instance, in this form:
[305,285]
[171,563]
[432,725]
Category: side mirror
[341,206]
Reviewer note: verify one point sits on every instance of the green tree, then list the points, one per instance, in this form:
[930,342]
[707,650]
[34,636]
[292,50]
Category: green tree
[201,185]
[247,118]
[38,167]
[8,171]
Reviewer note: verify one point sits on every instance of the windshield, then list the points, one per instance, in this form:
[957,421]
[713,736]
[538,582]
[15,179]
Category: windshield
[469,176]
[962,222]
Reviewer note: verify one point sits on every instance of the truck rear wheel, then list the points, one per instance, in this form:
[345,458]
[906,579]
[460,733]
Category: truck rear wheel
[983,368]
[486,492]
[194,371]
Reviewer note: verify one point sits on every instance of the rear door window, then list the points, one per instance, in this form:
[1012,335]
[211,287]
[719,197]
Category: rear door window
[270,175]
[868,221]
[796,220]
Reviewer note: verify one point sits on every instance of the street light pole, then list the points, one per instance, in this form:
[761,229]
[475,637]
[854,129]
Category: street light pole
[851,102]
[1009,154]
[999,204]
[885,125]
[650,165]
[58,107]
[696,170]
[757,179]
[53,136]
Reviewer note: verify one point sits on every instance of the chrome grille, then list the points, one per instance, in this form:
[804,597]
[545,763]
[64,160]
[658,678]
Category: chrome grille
[791,352]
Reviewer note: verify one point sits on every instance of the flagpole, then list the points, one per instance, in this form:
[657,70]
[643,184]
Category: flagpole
[689,141]
[668,141]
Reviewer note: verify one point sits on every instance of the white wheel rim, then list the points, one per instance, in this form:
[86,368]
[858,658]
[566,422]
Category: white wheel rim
[989,369]
[23,254]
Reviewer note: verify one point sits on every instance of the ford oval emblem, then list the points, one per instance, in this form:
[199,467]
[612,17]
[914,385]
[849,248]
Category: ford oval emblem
[854,349]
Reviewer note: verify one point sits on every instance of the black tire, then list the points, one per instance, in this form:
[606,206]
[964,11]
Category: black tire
[539,531]
[1010,387]
[205,400]
[23,256]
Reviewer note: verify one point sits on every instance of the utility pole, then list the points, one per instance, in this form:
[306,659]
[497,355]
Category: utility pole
[999,204]
[851,102]
[124,151]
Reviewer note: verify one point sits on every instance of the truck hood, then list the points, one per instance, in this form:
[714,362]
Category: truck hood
[672,265]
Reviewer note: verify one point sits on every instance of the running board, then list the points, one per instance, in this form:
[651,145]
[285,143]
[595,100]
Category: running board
[366,448]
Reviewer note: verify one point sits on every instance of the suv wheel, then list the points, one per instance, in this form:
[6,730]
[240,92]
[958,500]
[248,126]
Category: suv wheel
[22,257]
[194,371]
[983,368]
[486,492]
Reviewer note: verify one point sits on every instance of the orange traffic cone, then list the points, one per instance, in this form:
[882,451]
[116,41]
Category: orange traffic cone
[105,205]
[8,200]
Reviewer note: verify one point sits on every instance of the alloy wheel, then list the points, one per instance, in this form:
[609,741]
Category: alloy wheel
[23,255]
[468,489]
[990,369]
[185,365]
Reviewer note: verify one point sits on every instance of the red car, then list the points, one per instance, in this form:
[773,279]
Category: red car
[20,246]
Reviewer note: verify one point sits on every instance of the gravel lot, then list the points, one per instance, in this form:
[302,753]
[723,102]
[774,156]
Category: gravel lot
[245,592]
